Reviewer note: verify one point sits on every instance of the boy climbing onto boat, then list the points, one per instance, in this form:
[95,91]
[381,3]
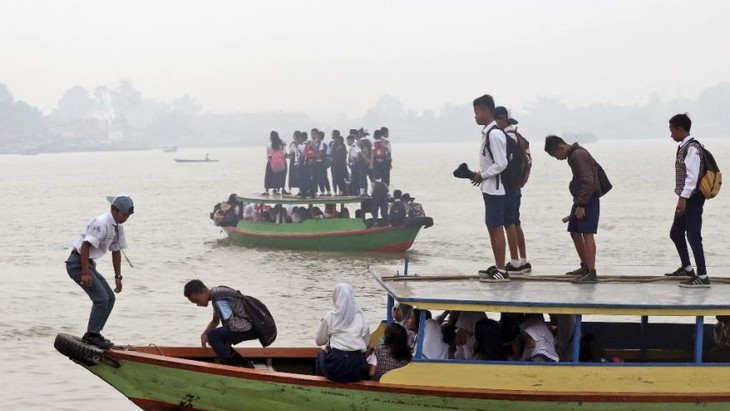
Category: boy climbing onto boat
[103,233]
[492,161]
[228,308]
[583,221]
[688,213]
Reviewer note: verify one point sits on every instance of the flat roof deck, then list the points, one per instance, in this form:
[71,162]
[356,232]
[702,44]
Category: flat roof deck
[447,289]
[298,200]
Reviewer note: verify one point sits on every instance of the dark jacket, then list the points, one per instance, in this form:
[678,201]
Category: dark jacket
[584,184]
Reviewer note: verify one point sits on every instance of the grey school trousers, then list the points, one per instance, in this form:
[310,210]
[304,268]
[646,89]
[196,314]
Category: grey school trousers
[101,295]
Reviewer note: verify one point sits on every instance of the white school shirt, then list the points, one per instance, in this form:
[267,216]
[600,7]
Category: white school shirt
[350,338]
[490,168]
[692,163]
[104,234]
[353,154]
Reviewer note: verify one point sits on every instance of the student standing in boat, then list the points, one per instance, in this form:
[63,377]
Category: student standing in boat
[294,160]
[512,200]
[275,175]
[103,233]
[345,333]
[353,159]
[492,161]
[583,222]
[307,186]
[321,165]
[228,308]
[688,214]
[379,157]
[339,163]
[385,137]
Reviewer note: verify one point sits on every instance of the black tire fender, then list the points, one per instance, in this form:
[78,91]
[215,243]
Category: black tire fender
[74,348]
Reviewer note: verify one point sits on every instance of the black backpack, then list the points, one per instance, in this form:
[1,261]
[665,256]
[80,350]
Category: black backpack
[397,213]
[511,176]
[261,319]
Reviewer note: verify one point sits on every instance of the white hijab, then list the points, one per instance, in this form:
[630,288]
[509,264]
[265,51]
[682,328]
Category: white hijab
[405,311]
[467,321]
[346,309]
[544,341]
[434,347]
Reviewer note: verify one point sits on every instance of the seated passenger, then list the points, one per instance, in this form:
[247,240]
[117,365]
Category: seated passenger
[392,353]
[464,338]
[539,342]
[434,347]
[296,216]
[488,341]
[412,326]
[344,213]
[564,325]
[344,332]
[317,213]
[721,351]
[330,211]
[402,313]
[397,214]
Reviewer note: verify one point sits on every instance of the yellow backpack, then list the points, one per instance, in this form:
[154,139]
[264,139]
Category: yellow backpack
[711,181]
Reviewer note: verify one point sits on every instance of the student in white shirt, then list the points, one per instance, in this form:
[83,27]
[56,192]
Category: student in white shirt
[103,233]
[345,333]
[687,224]
[492,161]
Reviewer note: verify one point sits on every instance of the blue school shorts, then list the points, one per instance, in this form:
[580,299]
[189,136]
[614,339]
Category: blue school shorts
[493,210]
[512,200]
[589,224]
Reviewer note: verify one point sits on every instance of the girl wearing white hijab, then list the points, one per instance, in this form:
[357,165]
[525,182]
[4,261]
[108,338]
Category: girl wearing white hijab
[344,332]
[465,339]
[434,347]
[539,341]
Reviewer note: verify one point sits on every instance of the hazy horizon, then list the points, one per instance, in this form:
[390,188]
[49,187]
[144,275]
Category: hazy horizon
[328,59]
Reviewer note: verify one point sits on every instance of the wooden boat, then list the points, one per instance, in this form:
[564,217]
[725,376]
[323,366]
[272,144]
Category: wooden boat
[169,149]
[656,374]
[324,234]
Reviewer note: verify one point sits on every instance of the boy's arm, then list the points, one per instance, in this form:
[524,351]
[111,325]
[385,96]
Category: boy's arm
[498,145]
[117,264]
[211,325]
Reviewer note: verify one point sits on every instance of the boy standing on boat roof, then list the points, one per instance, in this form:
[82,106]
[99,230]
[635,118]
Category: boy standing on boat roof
[492,161]
[583,222]
[688,213]
[103,233]
[228,308]
[512,200]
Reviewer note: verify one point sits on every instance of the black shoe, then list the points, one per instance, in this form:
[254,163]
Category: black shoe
[681,272]
[589,278]
[493,275]
[526,268]
[696,282]
[512,269]
[97,340]
[583,270]
[237,360]
[463,171]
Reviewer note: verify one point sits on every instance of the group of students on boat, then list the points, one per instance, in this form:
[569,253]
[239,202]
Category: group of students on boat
[311,163]
[504,166]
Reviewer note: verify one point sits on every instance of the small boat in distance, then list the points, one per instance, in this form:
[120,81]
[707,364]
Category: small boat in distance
[332,230]
[169,149]
[205,160]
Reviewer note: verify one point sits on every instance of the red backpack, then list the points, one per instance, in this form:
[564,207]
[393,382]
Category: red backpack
[309,152]
[380,151]
[278,164]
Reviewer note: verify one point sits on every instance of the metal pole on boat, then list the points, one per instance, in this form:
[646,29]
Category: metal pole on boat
[699,336]
[389,314]
[644,331]
[577,331]
[405,266]
[421,334]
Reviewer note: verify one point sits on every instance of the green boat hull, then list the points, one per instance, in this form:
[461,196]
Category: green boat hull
[154,387]
[324,235]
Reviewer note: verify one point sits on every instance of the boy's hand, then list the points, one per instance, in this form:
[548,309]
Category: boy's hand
[204,339]
[119,285]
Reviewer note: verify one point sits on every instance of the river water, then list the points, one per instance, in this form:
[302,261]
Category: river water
[47,199]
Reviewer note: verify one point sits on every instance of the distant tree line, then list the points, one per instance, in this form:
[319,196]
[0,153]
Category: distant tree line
[121,117]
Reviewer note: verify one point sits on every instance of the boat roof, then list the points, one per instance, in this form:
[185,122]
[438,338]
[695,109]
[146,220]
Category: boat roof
[447,289]
[298,200]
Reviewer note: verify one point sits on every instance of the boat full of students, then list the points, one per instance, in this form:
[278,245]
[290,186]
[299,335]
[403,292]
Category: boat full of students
[357,212]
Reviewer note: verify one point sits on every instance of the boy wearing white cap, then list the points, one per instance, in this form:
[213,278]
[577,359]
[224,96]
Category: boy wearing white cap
[103,233]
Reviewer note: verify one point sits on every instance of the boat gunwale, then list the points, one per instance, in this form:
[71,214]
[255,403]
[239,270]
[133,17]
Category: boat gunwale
[278,377]
[305,235]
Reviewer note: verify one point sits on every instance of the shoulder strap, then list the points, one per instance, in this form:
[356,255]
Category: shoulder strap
[486,147]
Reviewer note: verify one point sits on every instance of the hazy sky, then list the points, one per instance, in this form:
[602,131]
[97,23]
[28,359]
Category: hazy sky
[329,57]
